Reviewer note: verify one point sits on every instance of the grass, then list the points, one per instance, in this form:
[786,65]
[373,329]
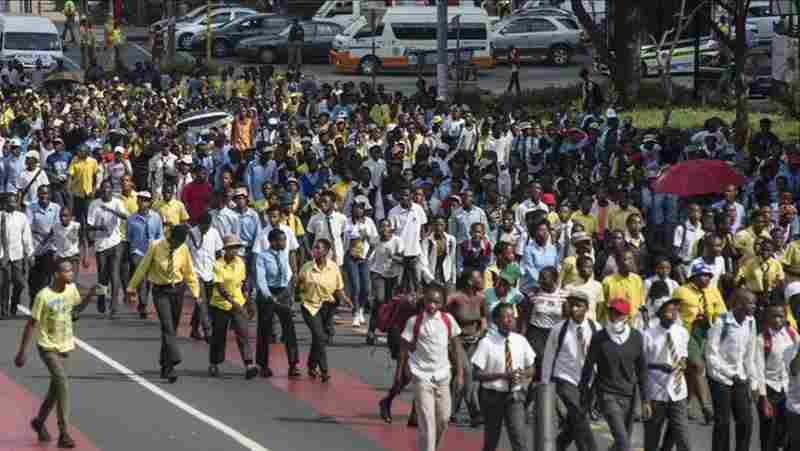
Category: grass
[684,118]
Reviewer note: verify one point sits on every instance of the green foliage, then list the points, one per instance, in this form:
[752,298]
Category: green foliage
[788,96]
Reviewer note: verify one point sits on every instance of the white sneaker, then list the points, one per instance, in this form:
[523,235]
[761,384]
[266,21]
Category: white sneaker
[361,316]
[356,321]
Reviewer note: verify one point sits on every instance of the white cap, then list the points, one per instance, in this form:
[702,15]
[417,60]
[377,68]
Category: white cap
[610,113]
[32,154]
[119,149]
[792,289]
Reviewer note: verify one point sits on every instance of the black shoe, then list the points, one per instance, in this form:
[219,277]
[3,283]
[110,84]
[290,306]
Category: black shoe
[273,339]
[143,315]
[294,373]
[313,373]
[163,373]
[708,416]
[171,376]
[476,422]
[13,310]
[324,377]
[65,441]
[213,371]
[412,420]
[386,410]
[41,430]
[251,372]
[101,304]
[371,339]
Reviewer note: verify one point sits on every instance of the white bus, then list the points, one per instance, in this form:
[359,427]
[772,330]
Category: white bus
[404,32]
[30,40]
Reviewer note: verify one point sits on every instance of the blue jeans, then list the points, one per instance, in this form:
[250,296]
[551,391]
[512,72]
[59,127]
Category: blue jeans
[357,272]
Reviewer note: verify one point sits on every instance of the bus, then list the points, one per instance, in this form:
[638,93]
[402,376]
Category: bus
[403,32]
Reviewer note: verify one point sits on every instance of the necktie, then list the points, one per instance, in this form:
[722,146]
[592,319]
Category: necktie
[674,356]
[170,264]
[765,286]
[509,360]
[581,340]
[280,267]
[333,237]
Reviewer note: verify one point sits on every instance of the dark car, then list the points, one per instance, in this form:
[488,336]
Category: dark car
[273,49]
[226,38]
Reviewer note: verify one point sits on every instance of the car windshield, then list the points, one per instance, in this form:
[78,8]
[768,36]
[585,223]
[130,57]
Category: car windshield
[31,41]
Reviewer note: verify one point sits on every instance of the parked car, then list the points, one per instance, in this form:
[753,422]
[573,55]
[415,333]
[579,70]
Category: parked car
[543,11]
[761,16]
[185,32]
[161,25]
[273,49]
[555,39]
[226,37]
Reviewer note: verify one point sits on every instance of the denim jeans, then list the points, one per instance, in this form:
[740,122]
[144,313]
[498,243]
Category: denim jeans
[357,272]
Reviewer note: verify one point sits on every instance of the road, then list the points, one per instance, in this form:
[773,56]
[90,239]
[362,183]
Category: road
[531,76]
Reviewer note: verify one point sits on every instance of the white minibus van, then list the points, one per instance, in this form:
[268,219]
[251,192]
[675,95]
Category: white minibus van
[29,39]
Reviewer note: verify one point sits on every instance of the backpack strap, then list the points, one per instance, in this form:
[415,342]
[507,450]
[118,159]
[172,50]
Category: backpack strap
[418,326]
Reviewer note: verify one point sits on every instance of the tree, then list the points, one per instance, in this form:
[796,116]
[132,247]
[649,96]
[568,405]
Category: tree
[664,53]
[623,56]
[737,44]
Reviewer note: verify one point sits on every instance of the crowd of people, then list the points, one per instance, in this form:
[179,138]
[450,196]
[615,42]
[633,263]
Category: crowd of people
[492,252]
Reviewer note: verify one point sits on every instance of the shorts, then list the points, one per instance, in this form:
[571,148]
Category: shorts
[393,341]
[697,345]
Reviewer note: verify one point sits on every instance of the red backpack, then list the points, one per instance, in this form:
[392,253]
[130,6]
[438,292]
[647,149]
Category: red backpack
[396,312]
[418,326]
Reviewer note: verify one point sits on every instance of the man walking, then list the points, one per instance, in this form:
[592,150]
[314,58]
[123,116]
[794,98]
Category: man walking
[296,38]
[514,59]
[429,340]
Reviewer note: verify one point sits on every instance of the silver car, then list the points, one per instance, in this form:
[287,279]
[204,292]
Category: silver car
[554,39]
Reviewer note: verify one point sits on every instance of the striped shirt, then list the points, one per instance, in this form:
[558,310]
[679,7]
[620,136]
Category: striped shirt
[547,308]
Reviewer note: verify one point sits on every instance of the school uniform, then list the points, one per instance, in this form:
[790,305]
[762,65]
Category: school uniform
[774,380]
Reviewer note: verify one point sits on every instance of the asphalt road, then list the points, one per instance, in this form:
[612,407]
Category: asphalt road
[531,76]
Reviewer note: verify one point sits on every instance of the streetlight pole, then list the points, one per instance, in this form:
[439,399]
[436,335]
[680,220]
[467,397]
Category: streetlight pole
[209,38]
[171,7]
[441,66]
[374,74]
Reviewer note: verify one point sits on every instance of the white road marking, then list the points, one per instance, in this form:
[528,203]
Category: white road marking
[141,49]
[72,62]
[245,442]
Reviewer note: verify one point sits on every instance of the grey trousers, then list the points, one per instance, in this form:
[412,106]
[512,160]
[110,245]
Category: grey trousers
[57,394]
[503,408]
[295,55]
[168,301]
[576,427]
[469,392]
[108,272]
[220,320]
[143,292]
[618,411]
[675,414]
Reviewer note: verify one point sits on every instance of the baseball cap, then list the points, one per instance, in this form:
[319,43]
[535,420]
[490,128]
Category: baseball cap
[579,296]
[620,305]
[700,268]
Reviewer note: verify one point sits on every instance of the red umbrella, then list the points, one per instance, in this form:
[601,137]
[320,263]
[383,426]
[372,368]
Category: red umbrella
[696,177]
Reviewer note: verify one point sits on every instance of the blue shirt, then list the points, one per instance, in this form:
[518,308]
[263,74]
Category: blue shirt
[14,165]
[142,230]
[311,182]
[42,219]
[249,227]
[255,176]
[58,163]
[272,270]
[534,259]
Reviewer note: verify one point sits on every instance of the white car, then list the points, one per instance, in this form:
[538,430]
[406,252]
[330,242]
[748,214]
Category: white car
[763,18]
[185,31]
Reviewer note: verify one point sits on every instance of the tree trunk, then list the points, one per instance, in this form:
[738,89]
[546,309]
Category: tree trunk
[740,58]
[627,46]
[666,83]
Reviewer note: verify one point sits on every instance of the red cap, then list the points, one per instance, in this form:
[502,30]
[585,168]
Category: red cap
[549,199]
[620,305]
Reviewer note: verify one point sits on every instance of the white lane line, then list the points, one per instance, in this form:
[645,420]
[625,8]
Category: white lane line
[141,49]
[72,62]
[246,442]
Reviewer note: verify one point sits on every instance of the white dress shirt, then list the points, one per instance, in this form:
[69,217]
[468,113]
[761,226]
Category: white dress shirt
[685,238]
[793,382]
[365,228]
[733,354]
[526,206]
[662,386]
[407,224]
[568,364]
[383,262]
[430,360]
[31,180]
[67,239]
[318,226]
[490,355]
[770,367]
[99,216]
[431,251]
[204,249]
[19,239]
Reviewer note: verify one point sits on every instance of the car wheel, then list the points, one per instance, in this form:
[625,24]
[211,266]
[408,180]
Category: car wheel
[560,55]
[368,66]
[267,56]
[220,49]
[185,41]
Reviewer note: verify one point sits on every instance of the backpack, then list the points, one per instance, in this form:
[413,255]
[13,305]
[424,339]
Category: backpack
[418,326]
[563,333]
[393,313]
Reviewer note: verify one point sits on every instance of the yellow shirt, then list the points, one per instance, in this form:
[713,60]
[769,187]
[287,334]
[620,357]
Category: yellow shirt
[751,274]
[295,224]
[744,241]
[131,204]
[791,259]
[589,222]
[53,314]
[81,175]
[163,266]
[172,212]
[340,189]
[695,302]
[629,288]
[231,276]
[317,285]
[618,218]
[491,273]
[569,271]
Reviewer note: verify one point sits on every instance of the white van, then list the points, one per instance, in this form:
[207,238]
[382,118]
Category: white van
[29,39]
[403,32]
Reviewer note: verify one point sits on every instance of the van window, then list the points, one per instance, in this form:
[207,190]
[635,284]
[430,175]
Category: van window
[468,31]
[32,41]
[568,23]
[366,32]
[415,31]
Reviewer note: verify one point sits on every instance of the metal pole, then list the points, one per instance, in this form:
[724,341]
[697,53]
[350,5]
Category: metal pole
[209,37]
[545,429]
[172,7]
[696,55]
[374,75]
[441,66]
[458,61]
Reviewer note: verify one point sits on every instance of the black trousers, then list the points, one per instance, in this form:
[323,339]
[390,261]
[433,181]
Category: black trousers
[501,408]
[201,309]
[772,431]
[80,204]
[168,301]
[618,411]
[318,356]
[266,312]
[220,320]
[793,431]
[514,82]
[731,400]
[40,273]
[12,282]
[675,414]
[576,427]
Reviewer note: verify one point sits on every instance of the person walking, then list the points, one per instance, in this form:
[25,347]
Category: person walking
[617,355]
[143,228]
[503,363]
[17,244]
[70,16]
[51,318]
[104,218]
[168,267]
[227,308]
[205,244]
[275,286]
[562,364]
[428,345]
[296,39]
[43,216]
[514,59]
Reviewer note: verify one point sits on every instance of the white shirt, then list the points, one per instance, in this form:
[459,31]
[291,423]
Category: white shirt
[793,382]
[382,262]
[26,180]
[366,228]
[407,225]
[19,238]
[318,226]
[526,206]
[662,386]
[685,239]
[158,166]
[204,250]
[99,216]
[430,359]
[261,243]
[490,355]
[771,370]
[67,239]
[732,355]
[567,366]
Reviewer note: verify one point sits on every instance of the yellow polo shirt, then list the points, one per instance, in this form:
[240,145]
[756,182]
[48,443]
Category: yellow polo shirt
[569,271]
[618,218]
[53,314]
[131,203]
[163,266]
[589,222]
[81,175]
[295,224]
[695,302]
[629,288]
[791,259]
[172,212]
[751,276]
[317,284]
[744,241]
[231,276]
